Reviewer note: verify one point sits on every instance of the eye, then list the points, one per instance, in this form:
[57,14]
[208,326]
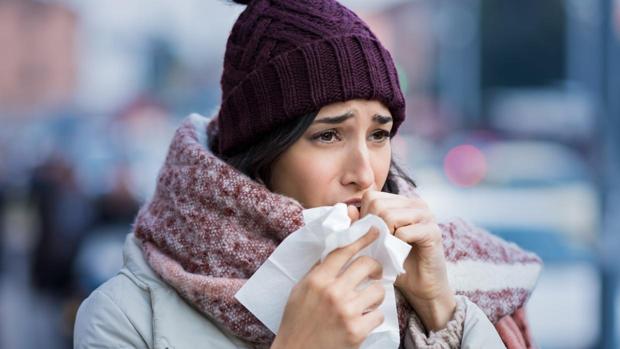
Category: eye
[380,135]
[328,136]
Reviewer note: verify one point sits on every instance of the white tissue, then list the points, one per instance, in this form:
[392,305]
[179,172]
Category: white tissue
[326,228]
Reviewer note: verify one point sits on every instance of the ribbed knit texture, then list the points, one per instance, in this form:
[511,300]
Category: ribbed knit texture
[286,58]
[446,338]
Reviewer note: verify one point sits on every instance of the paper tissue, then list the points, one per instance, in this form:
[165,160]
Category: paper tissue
[326,228]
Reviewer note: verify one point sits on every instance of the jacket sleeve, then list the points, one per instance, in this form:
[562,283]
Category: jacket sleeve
[469,328]
[100,323]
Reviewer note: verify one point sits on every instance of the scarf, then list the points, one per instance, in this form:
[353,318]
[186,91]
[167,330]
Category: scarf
[208,228]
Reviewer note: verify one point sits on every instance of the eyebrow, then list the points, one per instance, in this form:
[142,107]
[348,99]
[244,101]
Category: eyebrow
[335,119]
[381,119]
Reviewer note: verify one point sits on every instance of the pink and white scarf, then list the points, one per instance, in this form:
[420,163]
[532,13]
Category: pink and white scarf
[208,228]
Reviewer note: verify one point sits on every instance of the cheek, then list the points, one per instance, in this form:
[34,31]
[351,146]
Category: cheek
[381,166]
[305,178]
[309,170]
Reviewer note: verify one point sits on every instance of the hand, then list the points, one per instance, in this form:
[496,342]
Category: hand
[325,310]
[425,283]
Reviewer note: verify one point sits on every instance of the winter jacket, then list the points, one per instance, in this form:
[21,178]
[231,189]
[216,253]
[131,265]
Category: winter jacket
[136,309]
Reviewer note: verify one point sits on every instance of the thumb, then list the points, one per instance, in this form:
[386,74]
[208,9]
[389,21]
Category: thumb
[353,212]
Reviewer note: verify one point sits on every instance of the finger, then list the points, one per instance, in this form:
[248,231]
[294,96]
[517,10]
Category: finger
[422,235]
[353,212]
[314,266]
[377,202]
[373,202]
[367,198]
[395,218]
[337,258]
[314,269]
[369,298]
[370,321]
[359,270]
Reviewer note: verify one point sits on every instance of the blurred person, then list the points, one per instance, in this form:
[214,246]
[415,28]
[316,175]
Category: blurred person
[64,215]
[143,129]
[3,200]
[113,213]
[118,206]
[311,101]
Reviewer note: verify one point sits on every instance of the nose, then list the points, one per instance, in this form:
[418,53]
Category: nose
[358,169]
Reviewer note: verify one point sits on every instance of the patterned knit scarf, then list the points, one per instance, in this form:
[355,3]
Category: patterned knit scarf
[208,228]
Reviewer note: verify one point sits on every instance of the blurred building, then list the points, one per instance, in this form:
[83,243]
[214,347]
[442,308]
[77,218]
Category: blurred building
[38,62]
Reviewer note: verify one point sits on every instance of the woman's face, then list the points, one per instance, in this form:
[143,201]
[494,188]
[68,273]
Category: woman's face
[345,152]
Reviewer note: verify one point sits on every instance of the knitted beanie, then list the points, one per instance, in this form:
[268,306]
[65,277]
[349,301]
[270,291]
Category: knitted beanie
[287,58]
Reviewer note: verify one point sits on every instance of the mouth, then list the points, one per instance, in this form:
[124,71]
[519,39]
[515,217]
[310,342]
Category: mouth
[355,202]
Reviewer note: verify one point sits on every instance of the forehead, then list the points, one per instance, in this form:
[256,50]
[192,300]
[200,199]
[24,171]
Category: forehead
[356,106]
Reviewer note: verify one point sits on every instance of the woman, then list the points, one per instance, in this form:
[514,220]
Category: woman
[310,102]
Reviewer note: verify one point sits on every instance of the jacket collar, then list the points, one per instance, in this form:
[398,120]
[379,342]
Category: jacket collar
[135,262]
[175,323]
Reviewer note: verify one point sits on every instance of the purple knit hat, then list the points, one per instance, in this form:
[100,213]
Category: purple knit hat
[287,58]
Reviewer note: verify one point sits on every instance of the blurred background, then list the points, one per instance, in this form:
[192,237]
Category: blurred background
[513,123]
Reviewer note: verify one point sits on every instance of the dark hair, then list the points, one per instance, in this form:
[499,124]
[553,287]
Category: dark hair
[256,161]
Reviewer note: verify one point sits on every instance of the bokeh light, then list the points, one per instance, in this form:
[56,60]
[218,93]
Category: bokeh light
[465,165]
